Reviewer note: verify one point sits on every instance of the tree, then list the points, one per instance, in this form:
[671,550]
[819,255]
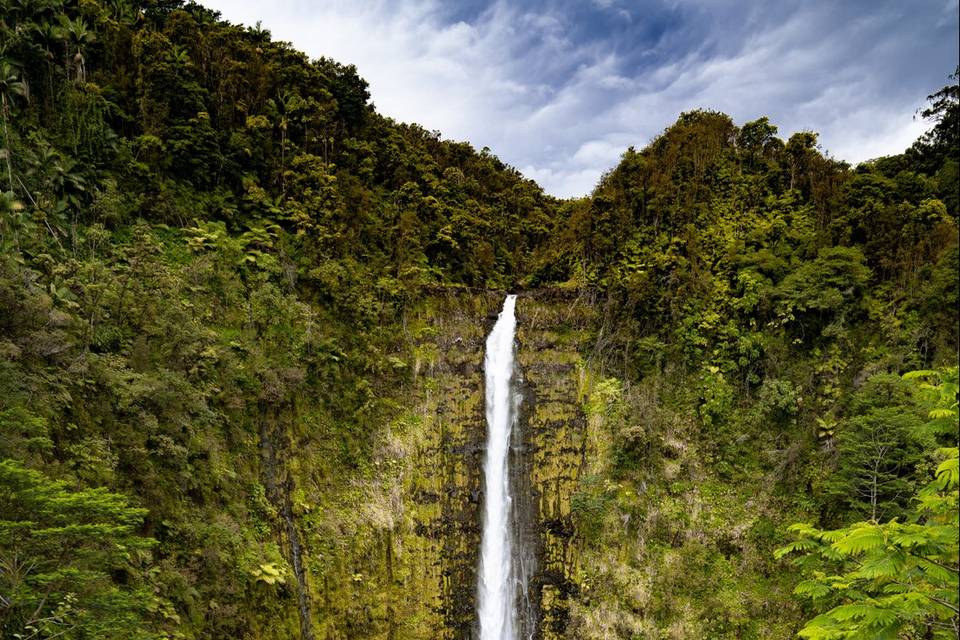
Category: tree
[69,560]
[800,148]
[758,138]
[942,142]
[283,109]
[937,152]
[896,579]
[826,288]
[11,86]
[78,36]
[878,449]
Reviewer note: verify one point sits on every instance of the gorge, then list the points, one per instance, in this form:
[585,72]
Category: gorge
[274,366]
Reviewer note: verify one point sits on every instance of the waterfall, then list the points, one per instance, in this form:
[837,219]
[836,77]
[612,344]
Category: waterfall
[497,582]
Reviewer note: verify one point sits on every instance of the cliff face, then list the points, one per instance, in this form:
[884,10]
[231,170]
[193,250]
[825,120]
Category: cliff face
[395,554]
[551,332]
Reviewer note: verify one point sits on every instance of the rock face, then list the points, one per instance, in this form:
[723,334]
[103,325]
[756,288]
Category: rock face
[407,568]
[551,332]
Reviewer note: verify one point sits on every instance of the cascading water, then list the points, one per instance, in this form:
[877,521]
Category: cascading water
[497,583]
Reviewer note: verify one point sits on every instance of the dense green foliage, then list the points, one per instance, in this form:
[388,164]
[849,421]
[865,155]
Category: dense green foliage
[211,247]
[65,554]
[126,110]
[761,301]
[208,244]
[896,578]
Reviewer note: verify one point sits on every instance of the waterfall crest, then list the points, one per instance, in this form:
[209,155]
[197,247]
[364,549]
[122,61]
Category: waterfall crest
[497,583]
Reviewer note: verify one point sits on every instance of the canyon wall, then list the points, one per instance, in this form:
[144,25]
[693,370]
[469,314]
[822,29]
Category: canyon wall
[395,554]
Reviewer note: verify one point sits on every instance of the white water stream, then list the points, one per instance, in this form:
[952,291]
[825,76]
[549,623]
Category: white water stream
[496,584]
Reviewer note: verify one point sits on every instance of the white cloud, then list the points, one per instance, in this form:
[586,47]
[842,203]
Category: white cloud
[566,183]
[563,109]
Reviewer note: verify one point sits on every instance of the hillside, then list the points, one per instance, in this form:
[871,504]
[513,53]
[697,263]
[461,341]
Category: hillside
[241,348]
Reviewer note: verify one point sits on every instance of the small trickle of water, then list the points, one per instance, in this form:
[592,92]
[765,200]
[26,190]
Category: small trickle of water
[496,582]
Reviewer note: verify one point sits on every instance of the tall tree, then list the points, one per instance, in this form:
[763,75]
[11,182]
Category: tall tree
[12,86]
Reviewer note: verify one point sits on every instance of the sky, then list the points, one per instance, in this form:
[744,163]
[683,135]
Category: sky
[560,88]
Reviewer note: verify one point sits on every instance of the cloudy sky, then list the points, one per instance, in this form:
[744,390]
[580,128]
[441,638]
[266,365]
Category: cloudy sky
[559,88]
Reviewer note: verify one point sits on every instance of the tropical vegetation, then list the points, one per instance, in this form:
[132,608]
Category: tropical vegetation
[215,261]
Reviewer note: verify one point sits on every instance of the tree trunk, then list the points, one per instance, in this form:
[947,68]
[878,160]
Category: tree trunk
[6,141]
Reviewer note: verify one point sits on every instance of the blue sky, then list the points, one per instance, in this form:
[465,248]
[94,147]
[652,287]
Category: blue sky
[560,88]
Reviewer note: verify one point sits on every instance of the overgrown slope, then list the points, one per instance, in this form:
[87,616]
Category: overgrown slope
[241,321]
[760,303]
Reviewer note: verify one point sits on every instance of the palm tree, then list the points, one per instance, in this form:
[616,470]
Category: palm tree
[12,86]
[122,11]
[57,174]
[78,36]
[283,109]
[259,33]
[67,181]
[46,34]
[180,58]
